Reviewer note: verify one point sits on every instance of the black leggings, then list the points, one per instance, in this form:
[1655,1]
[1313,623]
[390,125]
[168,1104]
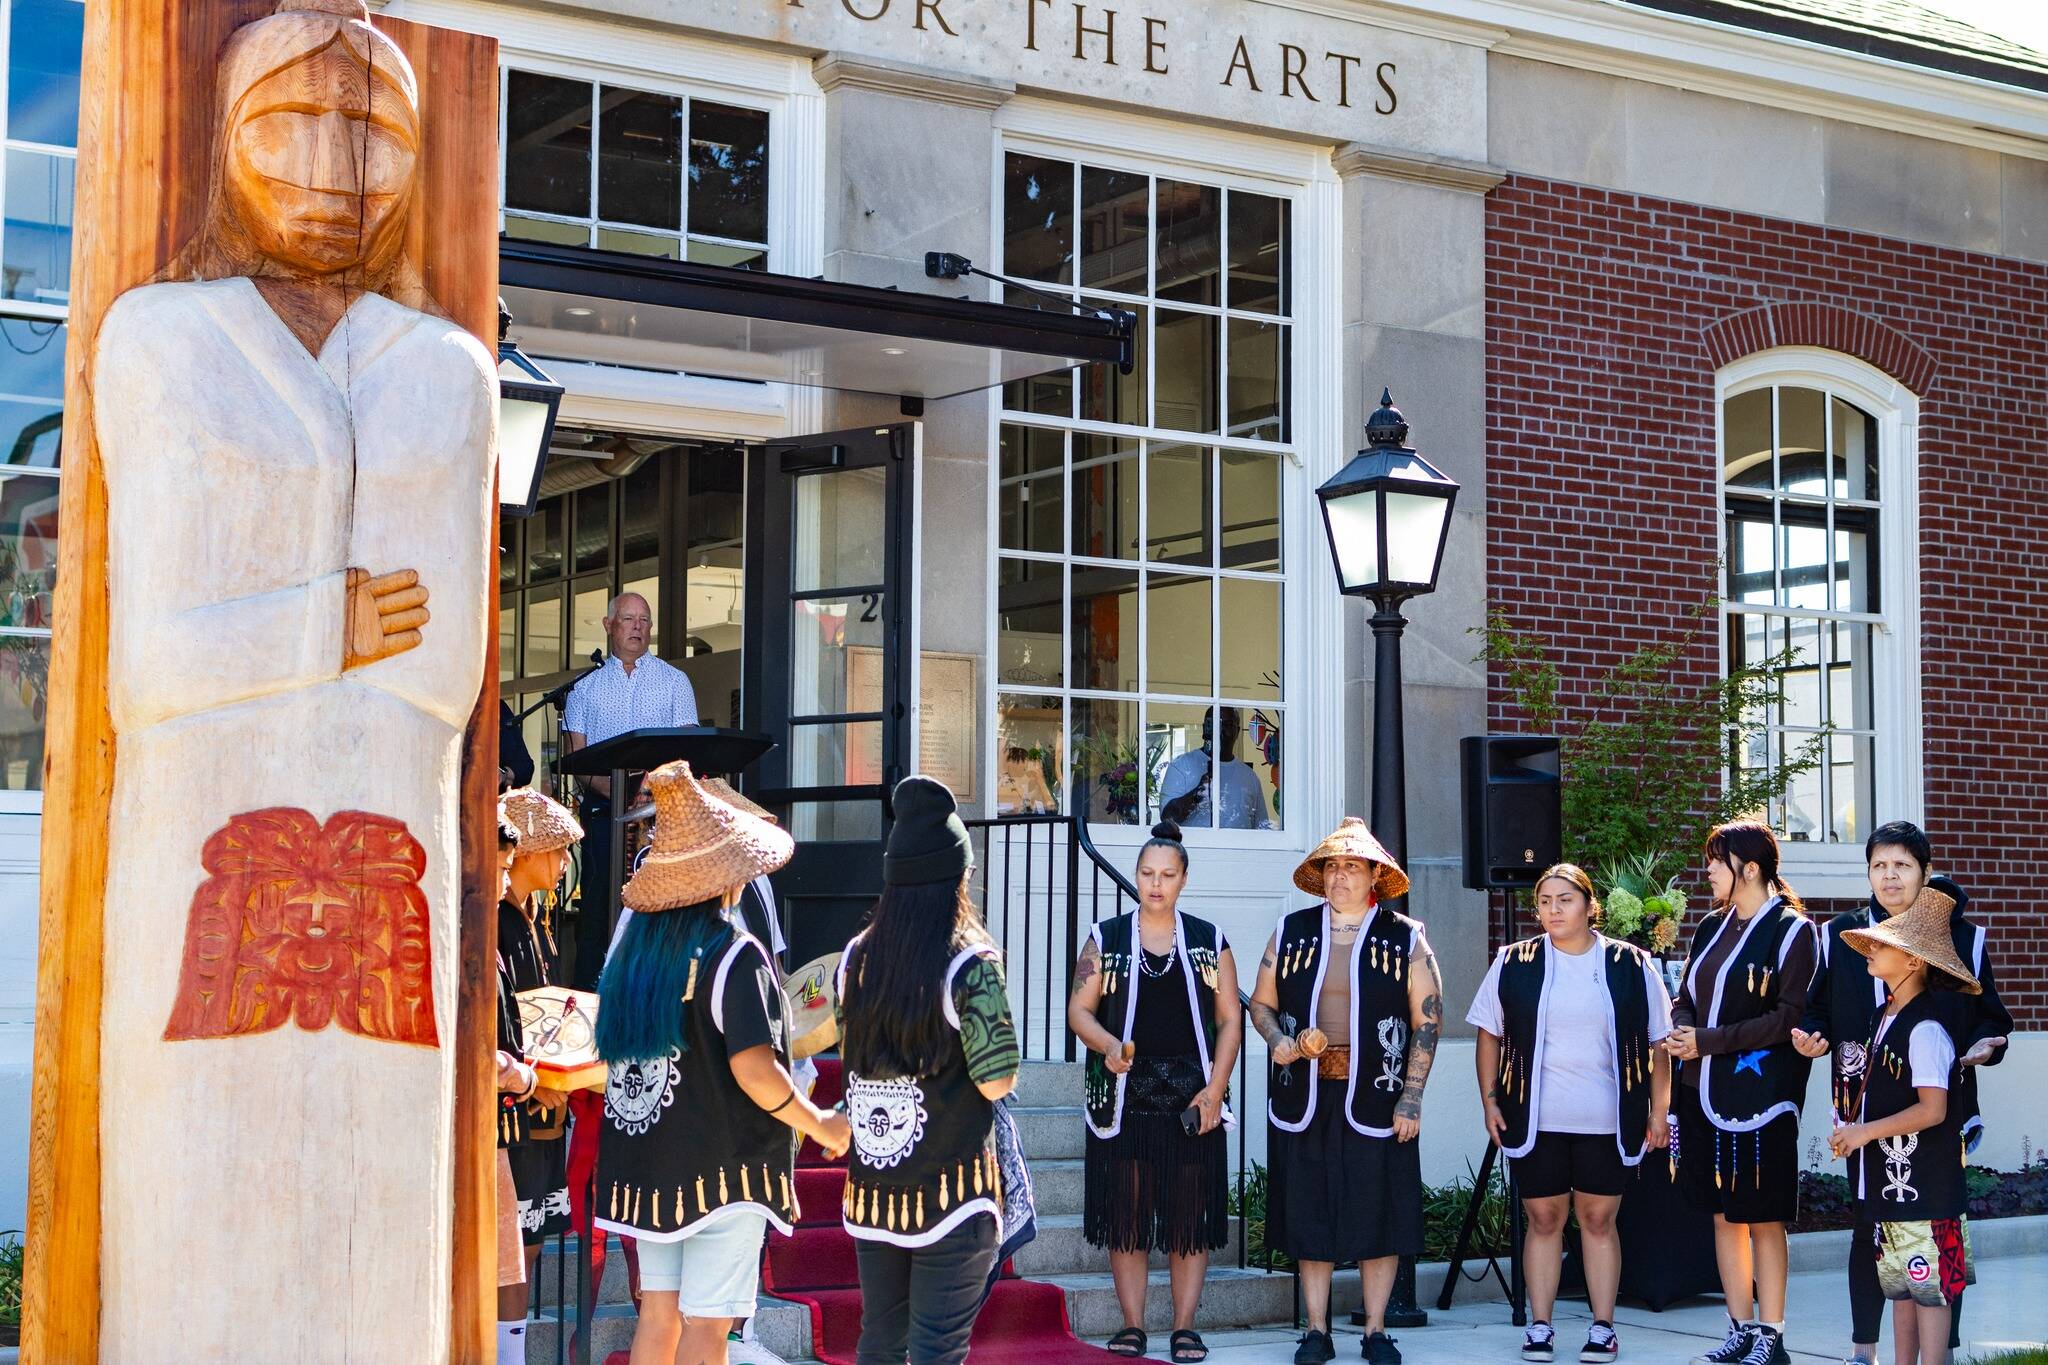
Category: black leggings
[1866,1300]
[924,1299]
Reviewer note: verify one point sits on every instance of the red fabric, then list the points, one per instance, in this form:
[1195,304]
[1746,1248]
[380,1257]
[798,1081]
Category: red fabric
[1023,1320]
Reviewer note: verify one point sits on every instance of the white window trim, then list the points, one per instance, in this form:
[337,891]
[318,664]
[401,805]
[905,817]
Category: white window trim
[1898,784]
[1311,790]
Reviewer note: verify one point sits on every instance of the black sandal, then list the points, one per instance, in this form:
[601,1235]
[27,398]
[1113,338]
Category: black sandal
[1188,1348]
[1129,1342]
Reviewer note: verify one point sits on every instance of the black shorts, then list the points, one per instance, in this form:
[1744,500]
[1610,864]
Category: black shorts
[1746,1177]
[1562,1162]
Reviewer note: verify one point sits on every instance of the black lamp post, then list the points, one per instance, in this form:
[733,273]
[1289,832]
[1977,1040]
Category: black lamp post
[1388,514]
[528,400]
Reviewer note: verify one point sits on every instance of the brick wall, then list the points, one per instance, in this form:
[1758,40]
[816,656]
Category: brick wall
[1607,316]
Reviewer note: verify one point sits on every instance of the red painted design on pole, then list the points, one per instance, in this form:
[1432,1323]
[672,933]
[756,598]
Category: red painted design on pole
[311,925]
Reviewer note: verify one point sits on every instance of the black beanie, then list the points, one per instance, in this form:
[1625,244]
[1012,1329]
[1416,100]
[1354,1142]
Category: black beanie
[927,843]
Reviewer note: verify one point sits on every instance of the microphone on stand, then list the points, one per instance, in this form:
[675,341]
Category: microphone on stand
[559,697]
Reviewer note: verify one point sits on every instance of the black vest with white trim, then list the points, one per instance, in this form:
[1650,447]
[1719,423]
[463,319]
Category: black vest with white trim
[1742,1091]
[923,1159]
[1524,977]
[1917,1175]
[1379,1016]
[1194,943]
[682,1144]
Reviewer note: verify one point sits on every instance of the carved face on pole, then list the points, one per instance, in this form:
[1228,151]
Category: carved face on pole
[320,163]
[318,149]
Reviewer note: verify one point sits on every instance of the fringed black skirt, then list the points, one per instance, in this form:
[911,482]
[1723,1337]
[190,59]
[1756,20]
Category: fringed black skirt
[1152,1187]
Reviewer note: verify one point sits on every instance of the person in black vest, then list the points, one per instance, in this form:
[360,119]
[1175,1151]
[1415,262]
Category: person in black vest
[1742,1083]
[1163,985]
[1920,1250]
[1575,1088]
[528,959]
[1351,1006]
[1844,993]
[697,1158]
[929,1048]
[531,1130]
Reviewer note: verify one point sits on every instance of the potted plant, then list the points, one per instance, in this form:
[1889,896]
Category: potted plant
[1642,905]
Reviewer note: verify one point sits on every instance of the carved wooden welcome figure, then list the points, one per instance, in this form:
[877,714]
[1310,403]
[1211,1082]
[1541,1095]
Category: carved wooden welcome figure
[298,455]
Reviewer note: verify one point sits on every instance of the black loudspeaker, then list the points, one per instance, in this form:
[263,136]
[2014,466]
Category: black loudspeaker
[1513,828]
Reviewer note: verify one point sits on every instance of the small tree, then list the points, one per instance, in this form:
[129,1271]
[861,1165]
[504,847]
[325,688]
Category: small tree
[1644,754]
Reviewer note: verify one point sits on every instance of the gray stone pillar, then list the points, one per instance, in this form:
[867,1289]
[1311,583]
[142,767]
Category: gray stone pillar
[1414,322]
[910,166]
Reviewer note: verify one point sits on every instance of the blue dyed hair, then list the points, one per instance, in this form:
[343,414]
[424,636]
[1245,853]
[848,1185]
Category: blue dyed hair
[640,1009]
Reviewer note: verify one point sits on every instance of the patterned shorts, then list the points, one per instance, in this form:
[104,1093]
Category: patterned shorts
[1927,1262]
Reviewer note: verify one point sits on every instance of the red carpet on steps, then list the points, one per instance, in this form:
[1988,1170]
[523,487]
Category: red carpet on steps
[1023,1320]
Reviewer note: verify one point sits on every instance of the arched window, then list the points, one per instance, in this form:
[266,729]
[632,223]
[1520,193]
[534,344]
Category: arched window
[1818,500]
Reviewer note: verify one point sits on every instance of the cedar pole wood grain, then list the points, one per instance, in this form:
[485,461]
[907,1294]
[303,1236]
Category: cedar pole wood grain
[145,133]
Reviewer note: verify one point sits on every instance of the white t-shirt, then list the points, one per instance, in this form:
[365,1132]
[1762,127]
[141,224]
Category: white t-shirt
[1930,1054]
[1577,1090]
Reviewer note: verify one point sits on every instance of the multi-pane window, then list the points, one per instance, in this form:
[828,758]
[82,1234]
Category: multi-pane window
[598,165]
[1801,490]
[41,143]
[1139,588]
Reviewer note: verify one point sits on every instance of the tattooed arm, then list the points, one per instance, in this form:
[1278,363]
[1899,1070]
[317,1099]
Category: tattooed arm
[988,1036]
[1082,1002]
[1265,1009]
[1426,1002]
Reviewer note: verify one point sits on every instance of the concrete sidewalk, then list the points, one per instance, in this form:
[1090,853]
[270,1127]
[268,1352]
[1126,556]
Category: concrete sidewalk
[2008,1306]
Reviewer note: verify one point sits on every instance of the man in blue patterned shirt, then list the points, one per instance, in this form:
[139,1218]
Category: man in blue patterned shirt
[634,690]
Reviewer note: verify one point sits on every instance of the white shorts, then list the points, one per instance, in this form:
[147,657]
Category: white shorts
[714,1272]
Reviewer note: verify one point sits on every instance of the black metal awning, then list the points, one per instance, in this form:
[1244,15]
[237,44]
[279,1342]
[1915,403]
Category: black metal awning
[612,307]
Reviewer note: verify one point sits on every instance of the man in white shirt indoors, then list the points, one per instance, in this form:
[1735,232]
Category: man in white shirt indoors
[634,690]
[1185,792]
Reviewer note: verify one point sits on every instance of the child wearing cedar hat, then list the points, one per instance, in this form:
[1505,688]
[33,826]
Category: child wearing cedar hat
[1905,1145]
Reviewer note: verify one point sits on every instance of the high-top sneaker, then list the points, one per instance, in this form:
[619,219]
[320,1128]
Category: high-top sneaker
[1735,1348]
[1768,1348]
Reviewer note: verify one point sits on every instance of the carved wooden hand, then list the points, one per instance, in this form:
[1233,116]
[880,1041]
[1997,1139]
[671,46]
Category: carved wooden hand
[381,616]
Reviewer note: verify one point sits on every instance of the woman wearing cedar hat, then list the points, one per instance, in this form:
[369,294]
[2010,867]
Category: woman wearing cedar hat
[527,960]
[1575,1087]
[1350,1005]
[1155,1002]
[1904,1139]
[929,1048]
[689,1011]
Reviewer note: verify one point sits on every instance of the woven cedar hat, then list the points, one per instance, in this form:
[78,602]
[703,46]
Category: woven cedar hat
[702,846]
[1351,839]
[1921,929]
[544,824]
[724,791]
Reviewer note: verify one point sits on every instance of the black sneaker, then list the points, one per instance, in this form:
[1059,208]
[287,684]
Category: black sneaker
[1768,1348]
[1540,1342]
[1735,1348]
[1601,1345]
[1314,1348]
[1379,1349]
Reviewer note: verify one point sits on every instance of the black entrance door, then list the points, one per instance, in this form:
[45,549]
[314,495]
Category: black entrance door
[827,635]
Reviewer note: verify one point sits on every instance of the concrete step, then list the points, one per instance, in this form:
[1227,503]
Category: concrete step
[781,1326]
[1060,1249]
[1230,1298]
[542,1293]
[1042,1085]
[1051,1132]
[1060,1185]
